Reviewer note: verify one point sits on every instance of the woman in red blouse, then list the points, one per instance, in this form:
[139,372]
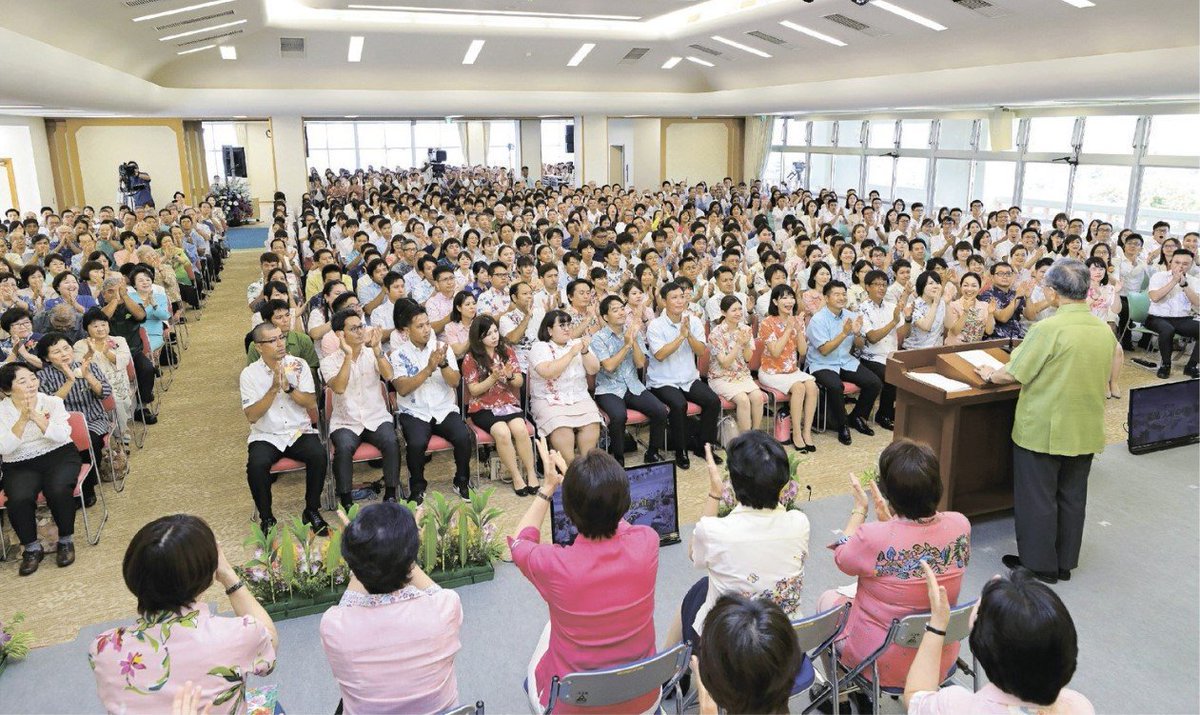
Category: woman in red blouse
[493,378]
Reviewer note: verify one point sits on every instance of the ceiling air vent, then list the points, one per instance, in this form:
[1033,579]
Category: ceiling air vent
[856,25]
[193,20]
[767,38]
[210,38]
[291,47]
[139,3]
[706,50]
[634,55]
[983,7]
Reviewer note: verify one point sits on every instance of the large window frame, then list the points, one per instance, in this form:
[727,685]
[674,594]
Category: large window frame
[367,152]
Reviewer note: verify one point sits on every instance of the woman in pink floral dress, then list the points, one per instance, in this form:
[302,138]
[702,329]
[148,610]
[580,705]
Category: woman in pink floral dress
[730,347]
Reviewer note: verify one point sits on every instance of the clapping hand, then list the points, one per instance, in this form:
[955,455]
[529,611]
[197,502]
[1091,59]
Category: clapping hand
[345,346]
[991,306]
[187,701]
[939,602]
[553,465]
[859,494]
[716,483]
[685,326]
[883,512]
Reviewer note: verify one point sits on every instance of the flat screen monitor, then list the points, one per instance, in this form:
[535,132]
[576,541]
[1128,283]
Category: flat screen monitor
[653,502]
[1163,416]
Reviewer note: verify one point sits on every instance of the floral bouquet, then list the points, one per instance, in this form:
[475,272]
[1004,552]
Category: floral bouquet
[234,199]
[789,497]
[14,643]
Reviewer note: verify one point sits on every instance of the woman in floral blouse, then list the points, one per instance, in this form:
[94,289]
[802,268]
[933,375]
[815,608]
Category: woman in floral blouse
[969,319]
[493,379]
[784,348]
[168,566]
[558,387]
[730,346]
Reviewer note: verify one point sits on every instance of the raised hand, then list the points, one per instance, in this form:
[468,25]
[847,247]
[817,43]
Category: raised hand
[345,346]
[715,482]
[939,602]
[859,494]
[883,512]
[992,306]
[848,326]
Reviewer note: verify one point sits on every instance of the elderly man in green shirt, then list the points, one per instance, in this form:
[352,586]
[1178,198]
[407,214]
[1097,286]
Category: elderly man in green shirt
[1062,366]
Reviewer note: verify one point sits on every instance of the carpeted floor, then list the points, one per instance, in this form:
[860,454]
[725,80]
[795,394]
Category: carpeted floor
[194,461]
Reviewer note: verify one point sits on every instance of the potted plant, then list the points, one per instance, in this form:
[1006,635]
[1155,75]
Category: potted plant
[14,643]
[233,197]
[458,541]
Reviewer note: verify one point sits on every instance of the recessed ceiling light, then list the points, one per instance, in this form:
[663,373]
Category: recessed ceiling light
[740,46]
[1080,3]
[472,52]
[177,11]
[908,15]
[356,48]
[203,29]
[469,11]
[228,52]
[7,107]
[584,49]
[239,116]
[672,62]
[812,33]
[196,49]
[699,61]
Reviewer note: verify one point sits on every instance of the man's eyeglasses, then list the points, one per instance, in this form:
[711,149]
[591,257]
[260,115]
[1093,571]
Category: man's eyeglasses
[355,328]
[278,339]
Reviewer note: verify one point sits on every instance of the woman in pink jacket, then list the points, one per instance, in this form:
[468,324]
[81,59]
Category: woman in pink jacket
[886,556]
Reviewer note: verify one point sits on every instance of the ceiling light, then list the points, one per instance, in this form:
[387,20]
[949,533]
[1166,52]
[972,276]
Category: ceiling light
[228,52]
[699,61]
[1080,3]
[584,49]
[203,29]
[812,33]
[239,116]
[8,107]
[196,49]
[740,46]
[468,11]
[356,48]
[472,52]
[352,116]
[908,15]
[672,62]
[189,8]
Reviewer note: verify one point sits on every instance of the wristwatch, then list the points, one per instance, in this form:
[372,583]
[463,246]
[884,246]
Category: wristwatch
[290,389]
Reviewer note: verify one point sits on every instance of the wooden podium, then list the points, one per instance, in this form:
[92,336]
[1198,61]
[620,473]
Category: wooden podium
[970,430]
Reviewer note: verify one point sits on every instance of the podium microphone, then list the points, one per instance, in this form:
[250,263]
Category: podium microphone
[1008,348]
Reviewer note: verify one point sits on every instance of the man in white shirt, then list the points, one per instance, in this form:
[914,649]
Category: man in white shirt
[726,284]
[1173,303]
[495,301]
[520,324]
[383,316]
[674,339]
[425,374]
[359,413]
[277,394]
[884,327]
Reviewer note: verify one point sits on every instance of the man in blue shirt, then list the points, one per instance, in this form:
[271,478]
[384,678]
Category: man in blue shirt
[618,388]
[831,334]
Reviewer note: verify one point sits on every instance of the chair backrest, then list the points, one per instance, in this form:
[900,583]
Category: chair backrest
[1139,307]
[602,688]
[79,431]
[907,632]
[476,709]
[109,403]
[817,632]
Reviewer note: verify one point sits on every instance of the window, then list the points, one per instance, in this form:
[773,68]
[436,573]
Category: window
[845,173]
[1100,192]
[953,177]
[911,175]
[849,133]
[216,136]
[1170,195]
[879,175]
[914,133]
[773,169]
[789,171]
[797,132]
[1051,134]
[502,143]
[1177,134]
[819,172]
[1044,192]
[822,134]
[554,141]
[778,131]
[985,134]
[437,135]
[1109,135]
[881,134]
[994,182]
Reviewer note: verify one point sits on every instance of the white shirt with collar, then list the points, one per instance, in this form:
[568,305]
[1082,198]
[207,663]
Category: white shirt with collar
[285,420]
[876,316]
[361,406]
[1175,303]
[679,369]
[33,442]
[434,398]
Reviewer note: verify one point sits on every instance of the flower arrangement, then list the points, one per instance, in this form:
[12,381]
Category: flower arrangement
[789,497]
[234,199]
[14,643]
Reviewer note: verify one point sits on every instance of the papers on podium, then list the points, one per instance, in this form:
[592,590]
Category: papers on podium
[944,384]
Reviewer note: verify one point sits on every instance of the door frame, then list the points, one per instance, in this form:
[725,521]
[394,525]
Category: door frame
[12,181]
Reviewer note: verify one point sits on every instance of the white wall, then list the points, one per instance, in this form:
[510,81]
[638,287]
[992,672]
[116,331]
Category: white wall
[23,139]
[620,133]
[103,147]
[647,153]
[530,143]
[291,171]
[697,152]
[591,137]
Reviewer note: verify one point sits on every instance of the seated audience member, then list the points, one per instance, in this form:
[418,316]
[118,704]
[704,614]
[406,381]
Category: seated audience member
[881,554]
[82,387]
[884,327]
[278,313]
[928,321]
[383,317]
[278,392]
[758,549]
[36,292]
[66,288]
[1024,640]
[674,339]
[111,355]
[831,333]
[320,313]
[519,326]
[969,318]
[39,458]
[425,374]
[21,343]
[731,346]
[618,346]
[494,380]
[169,565]
[750,662]
[1010,303]
[599,590]
[783,351]
[457,333]
[359,412]
[1174,300]
[391,640]
[558,387]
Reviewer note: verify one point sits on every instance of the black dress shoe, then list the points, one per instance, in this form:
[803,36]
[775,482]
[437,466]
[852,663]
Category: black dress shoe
[417,497]
[1164,371]
[682,461]
[267,523]
[844,436]
[89,500]
[1192,371]
[316,522]
[1013,561]
[145,417]
[65,555]
[30,561]
[885,422]
[653,456]
[860,425]
[1064,575]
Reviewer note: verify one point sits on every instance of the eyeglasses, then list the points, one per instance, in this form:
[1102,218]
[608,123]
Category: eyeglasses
[355,328]
[1004,274]
[278,339]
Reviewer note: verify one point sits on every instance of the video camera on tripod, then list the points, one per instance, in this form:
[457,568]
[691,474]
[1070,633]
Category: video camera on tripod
[437,162]
[128,175]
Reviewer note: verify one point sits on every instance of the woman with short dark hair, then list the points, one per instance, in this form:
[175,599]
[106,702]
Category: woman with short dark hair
[1025,641]
[392,639]
[82,387]
[886,555]
[600,589]
[750,662]
[176,641]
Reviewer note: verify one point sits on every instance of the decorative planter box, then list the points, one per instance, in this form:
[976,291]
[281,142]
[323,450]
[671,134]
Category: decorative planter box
[464,576]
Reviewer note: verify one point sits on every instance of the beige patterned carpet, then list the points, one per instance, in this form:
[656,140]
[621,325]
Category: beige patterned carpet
[194,461]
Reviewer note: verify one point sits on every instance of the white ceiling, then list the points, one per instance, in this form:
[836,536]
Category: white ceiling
[90,55]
